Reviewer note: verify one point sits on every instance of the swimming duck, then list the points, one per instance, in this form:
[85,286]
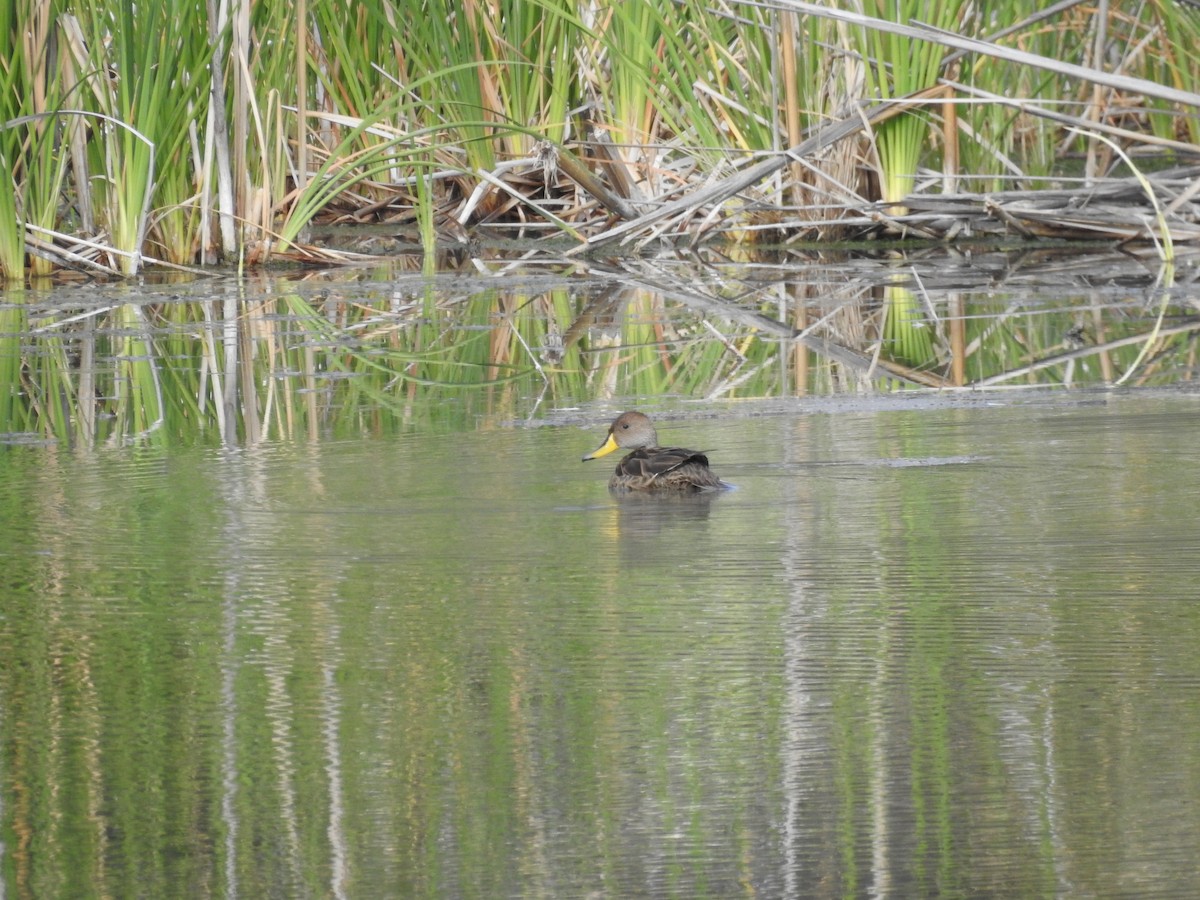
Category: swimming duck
[651,467]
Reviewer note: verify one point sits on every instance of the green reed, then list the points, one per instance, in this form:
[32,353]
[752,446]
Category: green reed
[896,67]
[28,89]
[322,111]
[1175,60]
[12,224]
[156,54]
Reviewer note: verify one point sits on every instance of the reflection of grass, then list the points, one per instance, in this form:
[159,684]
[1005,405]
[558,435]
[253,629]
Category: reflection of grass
[907,334]
[285,365]
[14,404]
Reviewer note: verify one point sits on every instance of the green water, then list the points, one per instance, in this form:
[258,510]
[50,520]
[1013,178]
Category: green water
[926,647]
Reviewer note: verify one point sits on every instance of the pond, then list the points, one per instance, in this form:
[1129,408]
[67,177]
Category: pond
[931,643]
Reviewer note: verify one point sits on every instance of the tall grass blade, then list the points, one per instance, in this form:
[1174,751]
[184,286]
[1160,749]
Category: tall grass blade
[898,67]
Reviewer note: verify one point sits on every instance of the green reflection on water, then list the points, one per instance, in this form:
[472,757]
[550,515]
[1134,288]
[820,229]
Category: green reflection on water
[919,651]
[346,354]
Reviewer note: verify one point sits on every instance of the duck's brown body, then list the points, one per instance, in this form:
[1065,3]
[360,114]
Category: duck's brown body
[650,467]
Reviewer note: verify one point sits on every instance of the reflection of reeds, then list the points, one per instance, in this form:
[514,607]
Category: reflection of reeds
[288,361]
[14,417]
[906,329]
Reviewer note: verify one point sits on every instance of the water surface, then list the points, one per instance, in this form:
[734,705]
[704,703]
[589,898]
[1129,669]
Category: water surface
[924,647]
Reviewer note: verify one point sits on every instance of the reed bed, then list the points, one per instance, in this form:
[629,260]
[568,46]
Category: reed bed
[191,133]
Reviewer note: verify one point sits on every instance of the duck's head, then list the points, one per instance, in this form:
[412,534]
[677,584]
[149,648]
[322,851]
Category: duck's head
[630,431]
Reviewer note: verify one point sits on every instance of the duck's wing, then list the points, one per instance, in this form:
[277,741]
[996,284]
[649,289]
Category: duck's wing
[657,462]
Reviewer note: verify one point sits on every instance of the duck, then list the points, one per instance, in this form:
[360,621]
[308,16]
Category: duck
[651,467]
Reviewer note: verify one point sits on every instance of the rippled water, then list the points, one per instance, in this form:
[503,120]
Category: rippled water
[925,647]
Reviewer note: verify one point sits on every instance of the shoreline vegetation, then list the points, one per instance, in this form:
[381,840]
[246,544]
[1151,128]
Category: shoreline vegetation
[197,133]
